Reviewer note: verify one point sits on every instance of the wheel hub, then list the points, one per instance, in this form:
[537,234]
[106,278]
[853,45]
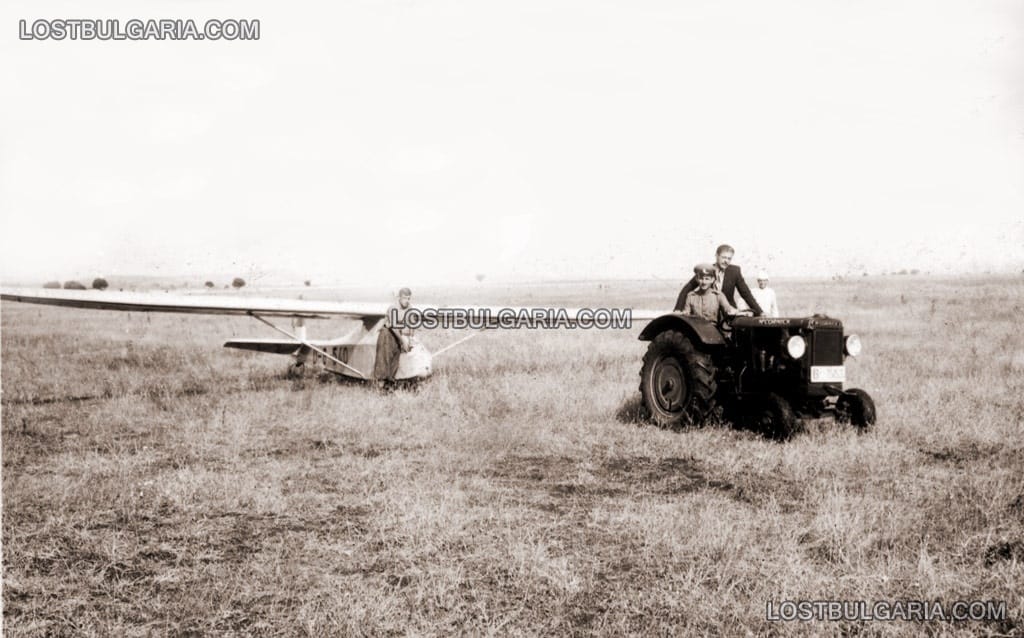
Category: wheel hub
[669,385]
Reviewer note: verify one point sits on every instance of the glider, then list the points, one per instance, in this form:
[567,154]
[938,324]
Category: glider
[352,354]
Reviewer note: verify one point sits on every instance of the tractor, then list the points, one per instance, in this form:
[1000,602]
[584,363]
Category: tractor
[764,371]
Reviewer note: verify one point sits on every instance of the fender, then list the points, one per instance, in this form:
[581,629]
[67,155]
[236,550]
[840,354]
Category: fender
[698,328]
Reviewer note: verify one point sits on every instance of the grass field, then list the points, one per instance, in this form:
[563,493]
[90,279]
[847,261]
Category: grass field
[156,483]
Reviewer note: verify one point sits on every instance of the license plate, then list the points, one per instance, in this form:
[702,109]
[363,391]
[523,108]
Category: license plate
[828,374]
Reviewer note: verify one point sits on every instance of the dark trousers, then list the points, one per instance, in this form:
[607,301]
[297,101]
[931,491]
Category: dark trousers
[385,365]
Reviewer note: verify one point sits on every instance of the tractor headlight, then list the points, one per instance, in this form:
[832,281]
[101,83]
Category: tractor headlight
[796,346]
[852,345]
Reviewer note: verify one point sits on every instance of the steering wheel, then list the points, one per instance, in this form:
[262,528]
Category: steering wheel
[724,324]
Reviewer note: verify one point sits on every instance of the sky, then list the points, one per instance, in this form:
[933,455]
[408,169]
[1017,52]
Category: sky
[388,142]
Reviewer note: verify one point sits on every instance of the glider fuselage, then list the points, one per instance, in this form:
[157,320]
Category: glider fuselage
[358,351]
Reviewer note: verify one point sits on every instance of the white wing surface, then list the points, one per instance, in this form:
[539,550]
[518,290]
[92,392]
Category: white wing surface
[475,316]
[195,304]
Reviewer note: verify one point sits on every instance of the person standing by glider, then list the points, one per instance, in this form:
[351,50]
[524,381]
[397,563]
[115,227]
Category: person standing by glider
[393,339]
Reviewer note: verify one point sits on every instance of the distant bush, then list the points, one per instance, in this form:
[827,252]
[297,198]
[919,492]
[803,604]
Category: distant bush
[237,282]
[209,284]
[308,283]
[100,283]
[73,285]
[52,284]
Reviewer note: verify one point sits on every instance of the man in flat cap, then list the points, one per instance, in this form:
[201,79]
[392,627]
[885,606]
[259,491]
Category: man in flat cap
[727,279]
[705,301]
[393,339]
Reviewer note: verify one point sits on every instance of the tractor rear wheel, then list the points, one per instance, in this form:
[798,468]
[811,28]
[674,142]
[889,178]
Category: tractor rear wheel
[677,382]
[856,407]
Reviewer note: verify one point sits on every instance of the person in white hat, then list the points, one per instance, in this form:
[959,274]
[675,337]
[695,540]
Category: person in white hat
[765,296]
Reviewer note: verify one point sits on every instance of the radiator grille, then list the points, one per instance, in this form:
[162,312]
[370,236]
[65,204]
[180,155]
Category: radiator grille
[828,348]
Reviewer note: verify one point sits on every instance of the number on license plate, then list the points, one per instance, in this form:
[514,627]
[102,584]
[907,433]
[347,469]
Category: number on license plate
[828,374]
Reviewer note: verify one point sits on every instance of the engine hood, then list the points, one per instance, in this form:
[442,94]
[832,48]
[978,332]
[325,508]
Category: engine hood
[817,321]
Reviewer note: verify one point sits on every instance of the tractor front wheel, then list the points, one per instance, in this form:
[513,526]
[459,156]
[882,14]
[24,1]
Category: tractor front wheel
[776,418]
[677,382]
[856,407]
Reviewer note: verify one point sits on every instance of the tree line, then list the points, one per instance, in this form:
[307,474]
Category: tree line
[100,283]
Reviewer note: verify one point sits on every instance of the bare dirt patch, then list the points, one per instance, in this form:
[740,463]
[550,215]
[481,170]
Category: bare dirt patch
[672,475]
[963,455]
[284,447]
[633,476]
[1005,551]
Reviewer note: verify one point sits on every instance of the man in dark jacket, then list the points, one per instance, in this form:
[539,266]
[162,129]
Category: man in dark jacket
[728,279]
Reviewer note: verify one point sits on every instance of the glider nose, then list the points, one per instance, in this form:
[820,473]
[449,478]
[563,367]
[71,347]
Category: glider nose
[428,368]
[415,364]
